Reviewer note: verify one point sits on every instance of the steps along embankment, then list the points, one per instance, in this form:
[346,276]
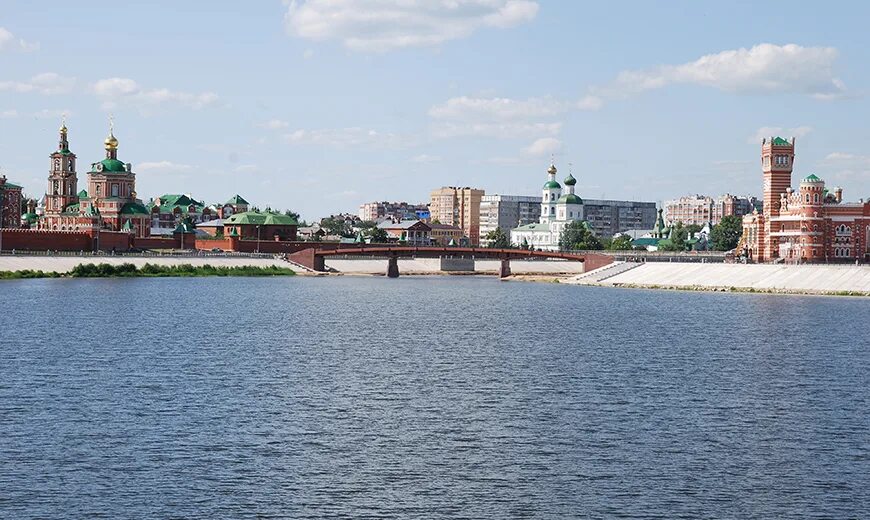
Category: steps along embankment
[812,279]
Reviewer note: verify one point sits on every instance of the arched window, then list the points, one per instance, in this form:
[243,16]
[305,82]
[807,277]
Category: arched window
[808,198]
[816,198]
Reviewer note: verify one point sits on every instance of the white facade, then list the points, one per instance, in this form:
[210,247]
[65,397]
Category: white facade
[557,211]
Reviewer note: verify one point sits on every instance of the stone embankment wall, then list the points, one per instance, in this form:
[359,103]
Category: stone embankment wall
[755,277]
[64,264]
[434,266]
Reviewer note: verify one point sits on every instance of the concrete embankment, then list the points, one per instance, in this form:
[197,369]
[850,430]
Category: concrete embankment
[64,264]
[807,279]
[436,266]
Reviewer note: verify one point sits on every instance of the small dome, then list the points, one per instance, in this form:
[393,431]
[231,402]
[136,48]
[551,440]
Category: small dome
[570,180]
[811,179]
[110,142]
[569,198]
[552,185]
[552,169]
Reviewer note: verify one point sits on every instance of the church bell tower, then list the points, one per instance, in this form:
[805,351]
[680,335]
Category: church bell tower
[62,180]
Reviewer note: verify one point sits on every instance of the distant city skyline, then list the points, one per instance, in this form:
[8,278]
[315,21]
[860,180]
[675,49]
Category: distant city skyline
[321,106]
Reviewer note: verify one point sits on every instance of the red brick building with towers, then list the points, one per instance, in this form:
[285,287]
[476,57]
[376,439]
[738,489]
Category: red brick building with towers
[810,224]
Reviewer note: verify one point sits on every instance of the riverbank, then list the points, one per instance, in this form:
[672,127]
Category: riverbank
[830,280]
[129,270]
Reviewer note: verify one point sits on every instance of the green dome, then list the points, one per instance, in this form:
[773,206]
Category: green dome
[570,180]
[811,178]
[113,165]
[30,217]
[570,198]
[552,185]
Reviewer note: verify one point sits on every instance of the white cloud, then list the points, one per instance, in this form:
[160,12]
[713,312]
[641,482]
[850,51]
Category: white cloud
[51,114]
[47,83]
[341,137]
[498,117]
[543,146]
[383,25]
[425,158]
[115,91]
[763,69]
[163,167]
[307,54]
[846,166]
[9,42]
[507,130]
[8,114]
[275,124]
[774,131]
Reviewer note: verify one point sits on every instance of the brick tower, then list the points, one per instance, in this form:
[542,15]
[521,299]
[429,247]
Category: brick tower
[777,162]
[62,180]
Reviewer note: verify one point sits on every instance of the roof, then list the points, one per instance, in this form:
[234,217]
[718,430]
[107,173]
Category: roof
[570,180]
[811,178]
[216,223]
[111,166]
[83,194]
[569,198]
[537,226]
[169,202]
[71,209]
[779,141]
[8,184]
[258,218]
[405,224]
[552,185]
[30,217]
[184,227]
[64,151]
[237,199]
[646,241]
[445,227]
[133,208]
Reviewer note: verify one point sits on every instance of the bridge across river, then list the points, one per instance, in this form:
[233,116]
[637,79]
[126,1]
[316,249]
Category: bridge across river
[314,257]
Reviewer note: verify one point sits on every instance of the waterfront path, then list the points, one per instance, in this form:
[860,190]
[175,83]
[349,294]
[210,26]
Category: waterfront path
[64,264]
[785,278]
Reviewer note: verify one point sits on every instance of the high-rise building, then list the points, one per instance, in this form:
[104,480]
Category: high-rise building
[507,212]
[702,209]
[396,211]
[458,207]
[610,217]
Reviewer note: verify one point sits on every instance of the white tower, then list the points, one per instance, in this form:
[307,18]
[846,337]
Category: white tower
[551,192]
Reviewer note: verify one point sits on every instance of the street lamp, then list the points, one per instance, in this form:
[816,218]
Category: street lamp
[258,239]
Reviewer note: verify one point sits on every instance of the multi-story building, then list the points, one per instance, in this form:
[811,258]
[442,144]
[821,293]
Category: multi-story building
[810,224]
[168,211]
[397,211]
[506,212]
[412,232]
[10,204]
[610,217]
[702,209]
[458,207]
[445,234]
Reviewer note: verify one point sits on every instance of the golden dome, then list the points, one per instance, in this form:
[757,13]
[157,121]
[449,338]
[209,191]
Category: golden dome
[110,142]
[551,169]
[63,129]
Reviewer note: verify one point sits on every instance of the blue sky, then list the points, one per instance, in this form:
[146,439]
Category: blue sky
[322,105]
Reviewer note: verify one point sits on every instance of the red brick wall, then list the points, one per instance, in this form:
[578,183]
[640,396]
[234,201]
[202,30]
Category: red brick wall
[44,240]
[157,243]
[115,241]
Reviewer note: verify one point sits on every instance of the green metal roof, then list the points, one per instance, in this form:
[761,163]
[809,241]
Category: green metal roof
[260,219]
[811,178]
[552,185]
[71,209]
[10,185]
[111,166]
[779,141]
[30,217]
[237,199]
[170,201]
[646,241]
[134,208]
[128,226]
[569,198]
[570,180]
[83,194]
[537,226]
[184,227]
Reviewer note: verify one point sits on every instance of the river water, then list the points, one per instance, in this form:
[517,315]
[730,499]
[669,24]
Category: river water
[429,397]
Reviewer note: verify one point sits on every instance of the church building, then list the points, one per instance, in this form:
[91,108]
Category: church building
[558,209]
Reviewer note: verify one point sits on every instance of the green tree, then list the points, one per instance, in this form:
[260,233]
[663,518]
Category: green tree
[727,233]
[525,245]
[378,235]
[676,239]
[292,214]
[577,235]
[337,226]
[620,243]
[498,239]
[693,228]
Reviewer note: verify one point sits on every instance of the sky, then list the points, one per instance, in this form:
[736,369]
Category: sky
[321,105]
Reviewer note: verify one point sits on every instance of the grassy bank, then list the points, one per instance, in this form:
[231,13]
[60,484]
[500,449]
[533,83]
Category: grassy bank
[148,271]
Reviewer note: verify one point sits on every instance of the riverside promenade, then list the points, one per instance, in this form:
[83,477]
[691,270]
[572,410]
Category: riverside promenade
[802,279]
[65,263]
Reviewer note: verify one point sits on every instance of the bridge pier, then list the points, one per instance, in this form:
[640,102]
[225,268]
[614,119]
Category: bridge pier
[504,268]
[393,266]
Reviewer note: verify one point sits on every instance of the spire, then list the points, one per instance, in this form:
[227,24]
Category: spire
[111,142]
[63,143]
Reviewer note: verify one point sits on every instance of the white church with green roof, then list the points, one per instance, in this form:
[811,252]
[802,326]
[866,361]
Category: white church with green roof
[558,209]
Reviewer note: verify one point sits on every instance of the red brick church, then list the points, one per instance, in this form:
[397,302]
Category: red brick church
[807,224]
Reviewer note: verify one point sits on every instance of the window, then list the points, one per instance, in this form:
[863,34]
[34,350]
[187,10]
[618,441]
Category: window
[99,190]
[808,198]
[114,190]
[816,198]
